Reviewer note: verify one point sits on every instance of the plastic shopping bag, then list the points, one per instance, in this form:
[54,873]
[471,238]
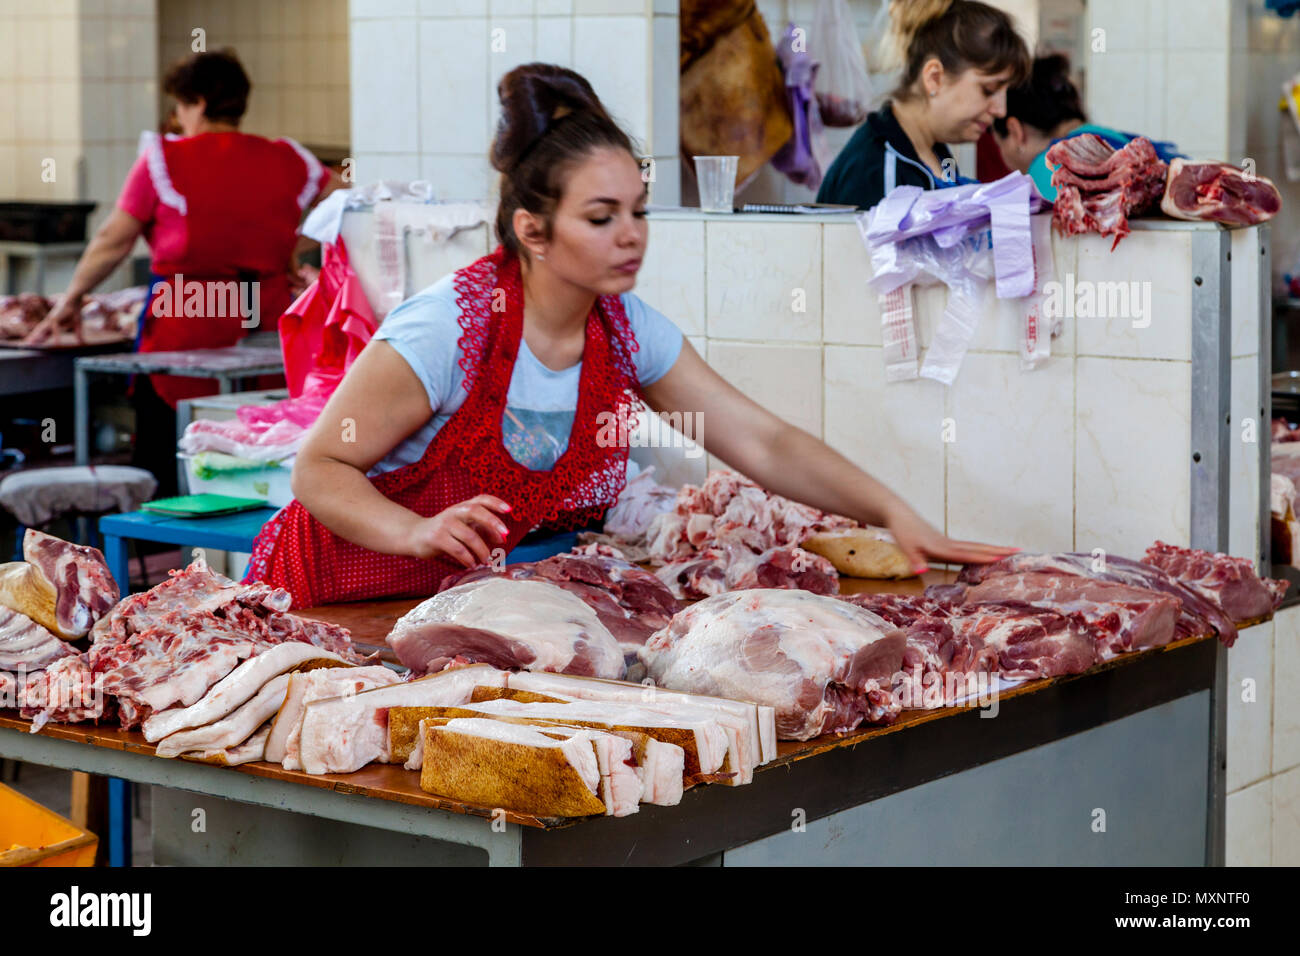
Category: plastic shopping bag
[844,91]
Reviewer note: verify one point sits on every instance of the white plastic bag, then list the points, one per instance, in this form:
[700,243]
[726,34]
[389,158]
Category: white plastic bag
[844,92]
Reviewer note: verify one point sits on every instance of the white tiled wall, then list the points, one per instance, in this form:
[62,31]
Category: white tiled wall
[424,77]
[1263,774]
[295,52]
[78,81]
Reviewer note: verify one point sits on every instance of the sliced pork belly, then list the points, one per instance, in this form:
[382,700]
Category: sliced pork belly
[254,748]
[534,625]
[64,587]
[25,645]
[282,746]
[488,763]
[237,687]
[823,664]
[234,728]
[343,734]
[760,720]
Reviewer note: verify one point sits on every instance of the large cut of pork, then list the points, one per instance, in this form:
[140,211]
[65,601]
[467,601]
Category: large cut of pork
[825,665]
[532,624]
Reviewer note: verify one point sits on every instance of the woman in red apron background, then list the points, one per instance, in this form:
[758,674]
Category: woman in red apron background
[217,207]
[548,315]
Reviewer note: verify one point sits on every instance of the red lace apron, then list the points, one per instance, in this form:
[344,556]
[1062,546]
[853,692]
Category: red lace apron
[467,456]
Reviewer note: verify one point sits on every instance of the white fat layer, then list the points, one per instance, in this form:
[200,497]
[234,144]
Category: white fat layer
[234,689]
[284,744]
[233,728]
[344,734]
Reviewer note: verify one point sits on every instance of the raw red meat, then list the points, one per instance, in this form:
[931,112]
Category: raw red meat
[733,566]
[1219,192]
[1197,615]
[1099,188]
[1230,583]
[728,519]
[1014,639]
[1121,618]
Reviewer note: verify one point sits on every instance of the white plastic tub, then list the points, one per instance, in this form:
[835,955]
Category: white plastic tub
[268,482]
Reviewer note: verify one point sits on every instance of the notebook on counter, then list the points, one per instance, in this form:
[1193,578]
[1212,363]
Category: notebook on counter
[202,506]
[799,208]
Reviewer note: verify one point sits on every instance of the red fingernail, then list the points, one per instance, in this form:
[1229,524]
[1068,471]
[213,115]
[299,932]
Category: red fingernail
[506,507]
[921,569]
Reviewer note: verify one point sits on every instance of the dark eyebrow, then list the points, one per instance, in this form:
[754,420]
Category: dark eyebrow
[603,199]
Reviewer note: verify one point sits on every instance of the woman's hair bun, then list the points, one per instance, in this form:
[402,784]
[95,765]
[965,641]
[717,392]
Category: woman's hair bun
[534,97]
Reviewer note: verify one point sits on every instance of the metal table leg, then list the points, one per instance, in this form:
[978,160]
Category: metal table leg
[81,400]
[118,562]
[119,822]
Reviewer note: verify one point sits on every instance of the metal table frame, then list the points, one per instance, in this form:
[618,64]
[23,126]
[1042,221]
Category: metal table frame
[261,361]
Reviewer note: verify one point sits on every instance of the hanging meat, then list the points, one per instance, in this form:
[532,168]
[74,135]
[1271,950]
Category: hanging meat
[732,93]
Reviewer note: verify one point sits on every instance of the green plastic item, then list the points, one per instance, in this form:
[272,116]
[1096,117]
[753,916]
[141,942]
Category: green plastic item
[202,506]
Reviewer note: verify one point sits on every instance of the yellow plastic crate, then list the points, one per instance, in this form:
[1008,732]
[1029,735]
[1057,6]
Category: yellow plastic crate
[33,835]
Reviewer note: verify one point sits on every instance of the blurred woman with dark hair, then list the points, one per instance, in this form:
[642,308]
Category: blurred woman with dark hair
[1047,108]
[493,401]
[217,207]
[959,58]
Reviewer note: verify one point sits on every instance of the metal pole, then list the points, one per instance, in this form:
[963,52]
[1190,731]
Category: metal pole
[81,403]
[1210,469]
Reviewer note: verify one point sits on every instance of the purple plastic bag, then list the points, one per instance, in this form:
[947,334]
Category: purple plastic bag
[798,157]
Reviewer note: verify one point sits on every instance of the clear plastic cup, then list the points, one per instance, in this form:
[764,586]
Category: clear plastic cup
[716,176]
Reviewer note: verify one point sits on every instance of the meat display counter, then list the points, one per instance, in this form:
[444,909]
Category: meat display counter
[1117,766]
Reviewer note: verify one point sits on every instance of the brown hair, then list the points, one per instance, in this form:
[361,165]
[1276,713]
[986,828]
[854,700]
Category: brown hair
[218,78]
[551,119]
[961,34]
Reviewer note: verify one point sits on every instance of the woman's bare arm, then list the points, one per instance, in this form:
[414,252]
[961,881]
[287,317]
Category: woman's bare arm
[379,404]
[793,463]
[112,242]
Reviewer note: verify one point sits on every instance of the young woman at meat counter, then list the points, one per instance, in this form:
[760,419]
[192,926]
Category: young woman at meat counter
[484,406]
[960,57]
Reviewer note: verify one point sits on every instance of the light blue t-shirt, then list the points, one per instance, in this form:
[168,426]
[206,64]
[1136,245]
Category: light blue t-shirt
[541,402]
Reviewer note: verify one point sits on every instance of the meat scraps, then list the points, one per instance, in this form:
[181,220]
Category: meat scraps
[1098,187]
[729,533]
[1219,192]
[1228,582]
[824,664]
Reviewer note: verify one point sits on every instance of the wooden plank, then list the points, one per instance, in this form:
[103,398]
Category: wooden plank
[90,809]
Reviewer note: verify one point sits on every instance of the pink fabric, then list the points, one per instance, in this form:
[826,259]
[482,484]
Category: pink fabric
[325,329]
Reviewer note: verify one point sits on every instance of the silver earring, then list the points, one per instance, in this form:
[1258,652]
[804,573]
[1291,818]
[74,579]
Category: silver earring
[541,258]
[934,92]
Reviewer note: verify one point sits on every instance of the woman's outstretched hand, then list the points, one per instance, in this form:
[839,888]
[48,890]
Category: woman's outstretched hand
[465,532]
[921,541]
[66,315]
